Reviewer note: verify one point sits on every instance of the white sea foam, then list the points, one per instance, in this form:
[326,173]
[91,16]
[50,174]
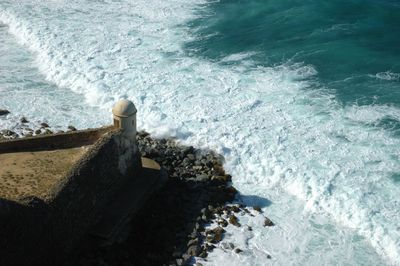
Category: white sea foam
[278,135]
[388,75]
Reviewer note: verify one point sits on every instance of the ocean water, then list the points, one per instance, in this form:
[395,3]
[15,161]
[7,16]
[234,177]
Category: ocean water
[301,97]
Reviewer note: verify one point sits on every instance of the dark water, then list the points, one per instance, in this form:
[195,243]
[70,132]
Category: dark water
[354,45]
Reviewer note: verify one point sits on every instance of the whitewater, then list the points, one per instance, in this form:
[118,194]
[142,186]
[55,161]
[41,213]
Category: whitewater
[320,171]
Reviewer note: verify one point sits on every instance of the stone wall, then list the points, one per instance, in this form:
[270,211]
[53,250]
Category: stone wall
[54,141]
[33,232]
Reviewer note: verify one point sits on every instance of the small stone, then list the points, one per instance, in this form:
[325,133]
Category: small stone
[23,120]
[4,112]
[222,222]
[44,125]
[191,157]
[209,247]
[186,162]
[203,255]
[235,208]
[218,231]
[48,132]
[192,242]
[234,220]
[219,170]
[193,250]
[238,250]
[221,178]
[201,178]
[257,208]
[231,190]
[268,222]
[9,133]
[228,245]
[71,128]
[185,258]
[269,256]
[38,132]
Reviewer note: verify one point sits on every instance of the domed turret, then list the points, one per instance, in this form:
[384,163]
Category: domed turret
[124,113]
[124,108]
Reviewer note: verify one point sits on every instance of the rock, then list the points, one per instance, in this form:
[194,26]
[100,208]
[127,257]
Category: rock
[231,190]
[238,250]
[209,247]
[257,208]
[38,132]
[191,157]
[234,220]
[203,254]
[193,250]
[269,256]
[268,222]
[71,128]
[222,222]
[186,258]
[9,133]
[48,132]
[44,125]
[23,120]
[214,236]
[192,242]
[201,178]
[235,208]
[4,112]
[228,245]
[219,170]
[221,178]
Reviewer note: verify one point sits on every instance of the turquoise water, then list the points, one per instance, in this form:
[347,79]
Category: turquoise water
[354,45]
[302,98]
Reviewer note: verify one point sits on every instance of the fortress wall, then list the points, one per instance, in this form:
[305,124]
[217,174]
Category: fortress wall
[54,141]
[44,233]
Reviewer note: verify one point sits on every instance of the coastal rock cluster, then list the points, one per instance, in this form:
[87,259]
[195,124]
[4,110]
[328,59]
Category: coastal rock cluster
[170,228]
[27,129]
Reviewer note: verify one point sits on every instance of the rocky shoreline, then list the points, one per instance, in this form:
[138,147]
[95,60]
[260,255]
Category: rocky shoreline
[186,219]
[179,225]
[25,129]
